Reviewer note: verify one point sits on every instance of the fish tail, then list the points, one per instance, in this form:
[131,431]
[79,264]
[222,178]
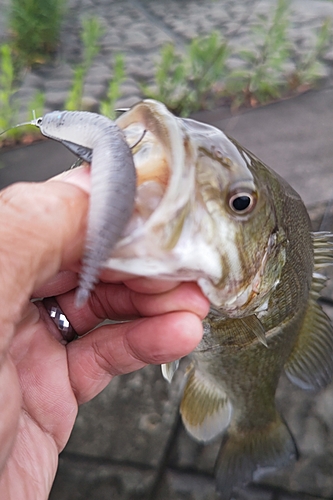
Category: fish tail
[245,455]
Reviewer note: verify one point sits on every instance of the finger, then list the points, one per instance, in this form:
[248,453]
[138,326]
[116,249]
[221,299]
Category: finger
[79,177]
[10,404]
[42,228]
[149,285]
[118,302]
[139,283]
[117,349]
[61,283]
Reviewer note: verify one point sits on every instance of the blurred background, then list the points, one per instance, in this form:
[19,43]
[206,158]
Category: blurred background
[259,70]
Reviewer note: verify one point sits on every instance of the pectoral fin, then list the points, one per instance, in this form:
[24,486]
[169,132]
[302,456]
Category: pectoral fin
[253,324]
[205,409]
[310,365]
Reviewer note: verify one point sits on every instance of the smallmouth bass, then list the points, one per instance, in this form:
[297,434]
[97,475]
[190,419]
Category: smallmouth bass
[207,210]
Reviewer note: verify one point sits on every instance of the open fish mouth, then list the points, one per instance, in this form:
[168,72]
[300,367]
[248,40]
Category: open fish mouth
[199,211]
[157,144]
[163,237]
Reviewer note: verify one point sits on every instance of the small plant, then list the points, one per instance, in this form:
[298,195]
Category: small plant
[107,107]
[186,83]
[308,69]
[270,70]
[36,106]
[91,33]
[263,76]
[8,107]
[35,28]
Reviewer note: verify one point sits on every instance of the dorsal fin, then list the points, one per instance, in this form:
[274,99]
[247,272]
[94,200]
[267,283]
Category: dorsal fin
[205,408]
[322,249]
[310,364]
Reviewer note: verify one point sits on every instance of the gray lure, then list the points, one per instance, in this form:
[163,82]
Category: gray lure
[100,141]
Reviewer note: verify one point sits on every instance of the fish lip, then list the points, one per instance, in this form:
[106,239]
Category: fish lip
[182,178]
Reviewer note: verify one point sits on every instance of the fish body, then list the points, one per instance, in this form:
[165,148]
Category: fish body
[207,210]
[210,211]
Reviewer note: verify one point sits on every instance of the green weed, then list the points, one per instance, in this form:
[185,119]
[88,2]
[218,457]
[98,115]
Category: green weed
[90,36]
[8,107]
[187,82]
[309,69]
[35,27]
[262,77]
[107,107]
[269,70]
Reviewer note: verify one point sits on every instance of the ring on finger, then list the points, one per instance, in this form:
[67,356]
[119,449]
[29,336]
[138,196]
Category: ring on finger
[60,319]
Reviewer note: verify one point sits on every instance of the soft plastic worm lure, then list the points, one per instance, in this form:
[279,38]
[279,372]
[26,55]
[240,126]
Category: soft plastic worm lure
[102,143]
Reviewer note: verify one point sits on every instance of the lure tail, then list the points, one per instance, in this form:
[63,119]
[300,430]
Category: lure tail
[245,454]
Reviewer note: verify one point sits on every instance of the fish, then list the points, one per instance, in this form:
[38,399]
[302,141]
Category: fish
[208,210]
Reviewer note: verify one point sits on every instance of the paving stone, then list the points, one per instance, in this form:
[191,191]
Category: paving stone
[84,480]
[130,420]
[95,90]
[188,454]
[60,85]
[111,40]
[25,94]
[252,493]
[182,486]
[127,102]
[295,496]
[90,104]
[315,476]
[55,99]
[32,80]
[129,89]
[61,71]
[98,74]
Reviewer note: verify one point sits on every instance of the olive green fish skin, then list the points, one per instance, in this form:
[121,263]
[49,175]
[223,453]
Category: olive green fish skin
[231,356]
[259,264]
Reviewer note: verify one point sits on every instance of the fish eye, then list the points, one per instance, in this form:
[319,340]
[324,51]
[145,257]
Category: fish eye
[242,202]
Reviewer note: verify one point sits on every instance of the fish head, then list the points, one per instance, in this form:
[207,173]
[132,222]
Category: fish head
[205,211]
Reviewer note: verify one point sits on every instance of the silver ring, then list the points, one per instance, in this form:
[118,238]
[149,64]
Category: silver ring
[60,320]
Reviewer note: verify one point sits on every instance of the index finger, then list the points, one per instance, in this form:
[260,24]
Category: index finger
[118,302]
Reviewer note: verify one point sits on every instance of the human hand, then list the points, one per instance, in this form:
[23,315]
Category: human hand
[42,380]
